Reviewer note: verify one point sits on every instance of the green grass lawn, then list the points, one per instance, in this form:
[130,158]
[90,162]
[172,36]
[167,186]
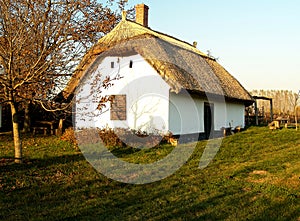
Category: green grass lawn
[254,176]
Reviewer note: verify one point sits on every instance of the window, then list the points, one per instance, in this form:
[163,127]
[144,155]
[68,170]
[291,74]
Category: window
[118,107]
[112,64]
[130,64]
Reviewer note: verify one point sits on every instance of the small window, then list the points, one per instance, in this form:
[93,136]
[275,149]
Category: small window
[118,107]
[112,64]
[130,64]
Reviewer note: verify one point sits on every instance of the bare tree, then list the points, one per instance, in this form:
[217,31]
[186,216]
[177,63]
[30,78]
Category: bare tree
[41,42]
[295,103]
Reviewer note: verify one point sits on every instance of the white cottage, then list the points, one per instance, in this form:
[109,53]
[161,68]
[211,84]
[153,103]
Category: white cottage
[156,83]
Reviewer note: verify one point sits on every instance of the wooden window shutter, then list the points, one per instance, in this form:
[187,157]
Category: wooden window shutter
[118,107]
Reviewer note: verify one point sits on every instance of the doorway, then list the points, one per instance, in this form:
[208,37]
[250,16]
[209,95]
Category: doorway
[208,120]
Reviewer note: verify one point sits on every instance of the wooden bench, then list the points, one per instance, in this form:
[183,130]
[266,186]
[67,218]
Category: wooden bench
[274,125]
[44,123]
[35,129]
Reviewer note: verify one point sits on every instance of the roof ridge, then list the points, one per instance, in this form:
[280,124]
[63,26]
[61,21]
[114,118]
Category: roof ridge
[146,30]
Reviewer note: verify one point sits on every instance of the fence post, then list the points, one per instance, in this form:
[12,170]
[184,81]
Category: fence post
[256,113]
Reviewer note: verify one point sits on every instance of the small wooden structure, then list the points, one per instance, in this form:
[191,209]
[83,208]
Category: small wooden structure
[46,126]
[35,129]
[279,123]
[256,108]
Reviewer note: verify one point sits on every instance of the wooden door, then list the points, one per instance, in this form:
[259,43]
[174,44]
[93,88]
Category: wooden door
[208,120]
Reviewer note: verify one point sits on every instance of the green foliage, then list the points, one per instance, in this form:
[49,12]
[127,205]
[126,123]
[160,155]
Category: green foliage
[255,176]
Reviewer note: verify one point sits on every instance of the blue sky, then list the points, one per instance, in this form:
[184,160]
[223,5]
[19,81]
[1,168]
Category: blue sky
[257,41]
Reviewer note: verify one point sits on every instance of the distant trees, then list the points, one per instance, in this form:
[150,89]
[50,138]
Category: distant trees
[41,42]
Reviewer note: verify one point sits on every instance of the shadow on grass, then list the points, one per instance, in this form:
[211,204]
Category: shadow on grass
[153,202]
[66,187]
[123,151]
[91,196]
[27,164]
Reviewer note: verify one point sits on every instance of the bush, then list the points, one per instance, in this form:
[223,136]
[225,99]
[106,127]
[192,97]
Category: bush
[118,137]
[69,136]
[110,138]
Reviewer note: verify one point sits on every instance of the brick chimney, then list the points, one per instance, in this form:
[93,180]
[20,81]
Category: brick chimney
[141,12]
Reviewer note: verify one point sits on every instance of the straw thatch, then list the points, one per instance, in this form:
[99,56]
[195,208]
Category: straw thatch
[179,63]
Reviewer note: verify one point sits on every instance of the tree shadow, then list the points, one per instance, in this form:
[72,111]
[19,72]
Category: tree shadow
[9,165]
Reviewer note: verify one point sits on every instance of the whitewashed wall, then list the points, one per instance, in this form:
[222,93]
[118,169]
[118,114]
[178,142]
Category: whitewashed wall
[147,96]
[220,115]
[186,114]
[148,102]
[236,114]
[227,114]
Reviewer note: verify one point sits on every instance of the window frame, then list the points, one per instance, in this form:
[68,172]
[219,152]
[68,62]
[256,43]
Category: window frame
[118,107]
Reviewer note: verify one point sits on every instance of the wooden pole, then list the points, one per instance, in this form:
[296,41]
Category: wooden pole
[256,113]
[60,127]
[296,118]
[271,109]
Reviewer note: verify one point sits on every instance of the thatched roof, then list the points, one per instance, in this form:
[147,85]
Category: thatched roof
[179,63]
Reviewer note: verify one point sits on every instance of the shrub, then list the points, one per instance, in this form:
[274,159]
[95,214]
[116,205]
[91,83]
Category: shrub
[69,136]
[118,137]
[110,138]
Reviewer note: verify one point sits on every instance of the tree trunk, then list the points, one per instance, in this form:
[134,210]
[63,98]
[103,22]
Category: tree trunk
[26,127]
[16,133]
